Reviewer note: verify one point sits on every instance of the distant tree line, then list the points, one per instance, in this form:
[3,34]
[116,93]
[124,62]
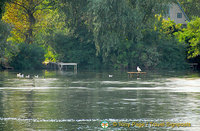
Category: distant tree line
[97,33]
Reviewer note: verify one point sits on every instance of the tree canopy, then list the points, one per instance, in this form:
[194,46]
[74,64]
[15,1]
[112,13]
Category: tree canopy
[98,33]
[191,36]
[191,7]
[25,17]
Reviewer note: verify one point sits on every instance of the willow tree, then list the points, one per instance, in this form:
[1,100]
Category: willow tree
[113,22]
[191,8]
[73,42]
[25,17]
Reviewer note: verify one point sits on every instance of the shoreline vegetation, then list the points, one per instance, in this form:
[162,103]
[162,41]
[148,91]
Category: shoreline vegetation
[96,34]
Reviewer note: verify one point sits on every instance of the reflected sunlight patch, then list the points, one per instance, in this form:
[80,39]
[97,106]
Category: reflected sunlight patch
[82,88]
[183,82]
[169,89]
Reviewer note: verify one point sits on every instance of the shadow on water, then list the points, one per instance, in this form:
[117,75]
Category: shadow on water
[65,100]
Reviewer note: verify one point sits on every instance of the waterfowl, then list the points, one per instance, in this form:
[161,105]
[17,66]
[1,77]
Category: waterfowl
[138,69]
[28,76]
[36,76]
[22,76]
[19,74]
[110,75]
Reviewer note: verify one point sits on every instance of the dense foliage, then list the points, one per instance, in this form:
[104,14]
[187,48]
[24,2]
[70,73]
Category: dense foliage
[28,57]
[191,36]
[191,7]
[25,17]
[99,33]
[4,32]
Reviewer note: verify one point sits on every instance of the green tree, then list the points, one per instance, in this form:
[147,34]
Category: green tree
[28,56]
[71,41]
[25,17]
[121,34]
[4,33]
[2,2]
[114,21]
[191,36]
[191,7]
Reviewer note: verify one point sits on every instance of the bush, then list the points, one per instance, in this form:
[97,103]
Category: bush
[173,55]
[78,50]
[29,56]
[154,51]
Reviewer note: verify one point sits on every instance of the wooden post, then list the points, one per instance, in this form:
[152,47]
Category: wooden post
[60,66]
[75,67]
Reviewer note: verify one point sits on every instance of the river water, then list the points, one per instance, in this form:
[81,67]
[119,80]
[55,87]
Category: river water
[58,100]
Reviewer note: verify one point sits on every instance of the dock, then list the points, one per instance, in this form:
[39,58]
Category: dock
[61,65]
[130,74]
[193,66]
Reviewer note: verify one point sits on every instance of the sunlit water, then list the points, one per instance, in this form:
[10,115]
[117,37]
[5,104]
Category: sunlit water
[69,101]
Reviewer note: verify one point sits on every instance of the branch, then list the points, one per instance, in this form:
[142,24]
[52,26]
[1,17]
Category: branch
[46,6]
[37,5]
[19,4]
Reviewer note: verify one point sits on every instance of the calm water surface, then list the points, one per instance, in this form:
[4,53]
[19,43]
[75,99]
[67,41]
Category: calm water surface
[68,101]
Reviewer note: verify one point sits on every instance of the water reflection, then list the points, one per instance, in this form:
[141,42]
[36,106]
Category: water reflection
[58,101]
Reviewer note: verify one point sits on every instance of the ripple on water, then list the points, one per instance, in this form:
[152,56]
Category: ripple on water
[137,88]
[85,82]
[81,88]
[174,88]
[132,82]
[28,88]
[90,120]
[183,82]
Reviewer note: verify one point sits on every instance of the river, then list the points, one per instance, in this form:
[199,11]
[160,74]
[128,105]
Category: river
[59,100]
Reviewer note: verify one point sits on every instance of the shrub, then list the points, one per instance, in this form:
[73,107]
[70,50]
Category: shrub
[29,56]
